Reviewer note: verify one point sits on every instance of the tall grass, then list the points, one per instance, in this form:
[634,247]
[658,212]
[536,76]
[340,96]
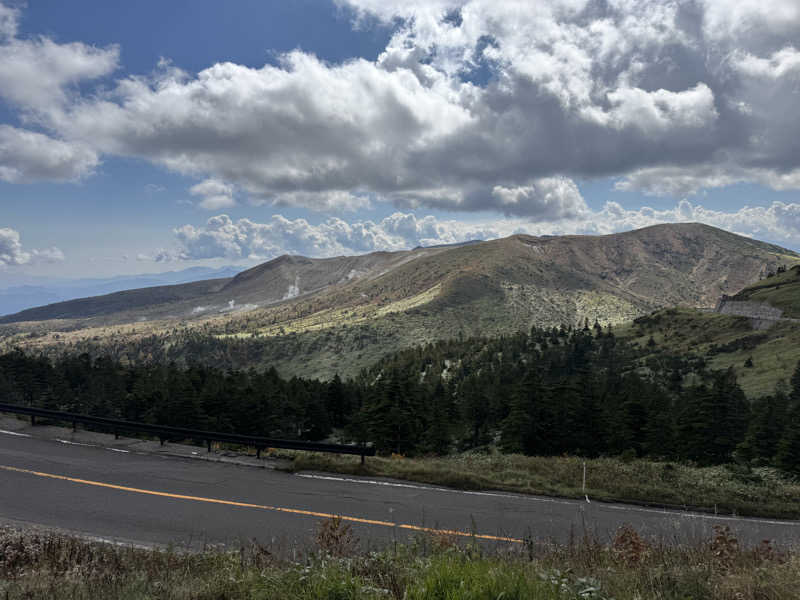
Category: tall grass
[49,565]
[727,488]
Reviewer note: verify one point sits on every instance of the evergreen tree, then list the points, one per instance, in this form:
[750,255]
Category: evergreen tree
[437,438]
[766,428]
[788,451]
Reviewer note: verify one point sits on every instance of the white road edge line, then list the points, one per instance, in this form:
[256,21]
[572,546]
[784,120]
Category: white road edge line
[578,503]
[75,443]
[118,450]
[14,433]
[433,489]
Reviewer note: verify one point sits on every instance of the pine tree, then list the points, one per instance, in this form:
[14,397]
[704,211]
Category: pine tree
[788,453]
[437,437]
[766,428]
[517,431]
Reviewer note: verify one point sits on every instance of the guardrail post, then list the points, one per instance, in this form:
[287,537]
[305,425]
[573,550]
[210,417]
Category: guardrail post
[363,459]
[116,435]
[33,419]
[161,439]
[74,426]
[258,452]
[208,442]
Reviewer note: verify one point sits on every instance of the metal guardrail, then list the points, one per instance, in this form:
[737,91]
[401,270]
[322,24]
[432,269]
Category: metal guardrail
[165,433]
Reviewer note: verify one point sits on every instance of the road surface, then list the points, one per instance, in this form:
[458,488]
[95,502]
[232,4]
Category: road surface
[141,498]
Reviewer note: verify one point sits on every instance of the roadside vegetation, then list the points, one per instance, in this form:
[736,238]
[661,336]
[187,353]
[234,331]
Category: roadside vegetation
[46,565]
[728,489]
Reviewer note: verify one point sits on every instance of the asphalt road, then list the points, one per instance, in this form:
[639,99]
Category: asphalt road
[149,499]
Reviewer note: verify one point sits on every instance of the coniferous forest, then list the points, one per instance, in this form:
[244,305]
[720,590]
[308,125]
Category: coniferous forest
[547,392]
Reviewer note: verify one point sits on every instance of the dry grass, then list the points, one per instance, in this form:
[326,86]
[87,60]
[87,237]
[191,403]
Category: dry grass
[49,565]
[727,489]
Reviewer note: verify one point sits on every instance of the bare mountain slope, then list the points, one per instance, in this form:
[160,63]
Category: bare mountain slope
[323,315]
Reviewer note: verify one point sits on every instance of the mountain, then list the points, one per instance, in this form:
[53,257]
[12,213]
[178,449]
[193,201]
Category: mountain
[320,316]
[39,291]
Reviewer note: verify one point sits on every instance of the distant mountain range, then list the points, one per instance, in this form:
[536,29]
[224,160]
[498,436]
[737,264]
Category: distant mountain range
[15,298]
[320,316]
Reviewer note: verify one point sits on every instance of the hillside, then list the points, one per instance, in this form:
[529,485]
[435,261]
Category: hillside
[320,316]
[30,292]
[762,352]
[781,291]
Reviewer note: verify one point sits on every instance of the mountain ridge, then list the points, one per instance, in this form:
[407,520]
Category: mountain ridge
[310,313]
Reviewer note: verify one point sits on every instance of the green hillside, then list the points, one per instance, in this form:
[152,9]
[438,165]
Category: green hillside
[761,357]
[781,290]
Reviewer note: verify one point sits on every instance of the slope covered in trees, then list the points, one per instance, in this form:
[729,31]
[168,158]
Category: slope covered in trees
[547,392]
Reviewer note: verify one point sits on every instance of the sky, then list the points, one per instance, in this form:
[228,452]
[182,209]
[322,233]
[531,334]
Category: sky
[154,136]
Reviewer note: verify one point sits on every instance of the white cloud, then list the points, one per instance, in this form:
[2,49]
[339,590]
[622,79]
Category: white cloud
[27,156]
[12,253]
[471,103]
[780,64]
[661,110]
[548,199]
[687,180]
[48,255]
[9,18]
[222,237]
[216,194]
[742,20]
[37,74]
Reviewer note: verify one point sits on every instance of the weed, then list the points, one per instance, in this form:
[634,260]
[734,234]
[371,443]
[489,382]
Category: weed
[628,546]
[335,537]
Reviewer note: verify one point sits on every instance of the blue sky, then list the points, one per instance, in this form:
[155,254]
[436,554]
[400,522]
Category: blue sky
[142,137]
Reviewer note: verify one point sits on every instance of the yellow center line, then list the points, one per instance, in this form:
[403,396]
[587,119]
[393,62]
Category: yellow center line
[294,511]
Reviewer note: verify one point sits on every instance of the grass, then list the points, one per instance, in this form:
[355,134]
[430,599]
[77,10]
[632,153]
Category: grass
[684,332]
[336,317]
[781,291]
[35,564]
[729,489]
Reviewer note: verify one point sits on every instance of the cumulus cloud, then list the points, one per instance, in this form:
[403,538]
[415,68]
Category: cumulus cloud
[216,194]
[473,105]
[222,237]
[39,77]
[12,253]
[27,156]
[548,199]
[38,74]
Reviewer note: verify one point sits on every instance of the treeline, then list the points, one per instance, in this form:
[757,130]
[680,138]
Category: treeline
[246,402]
[580,392]
[546,392]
